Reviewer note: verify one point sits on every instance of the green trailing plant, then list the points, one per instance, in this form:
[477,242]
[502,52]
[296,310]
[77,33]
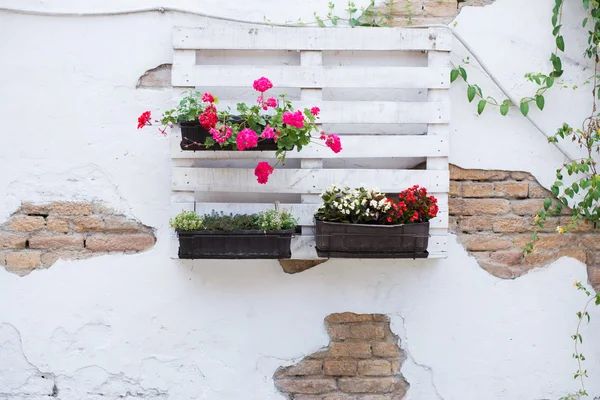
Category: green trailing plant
[275,220]
[543,81]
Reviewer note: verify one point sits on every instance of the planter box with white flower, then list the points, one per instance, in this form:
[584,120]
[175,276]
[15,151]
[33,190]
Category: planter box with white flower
[365,223]
[218,236]
[384,91]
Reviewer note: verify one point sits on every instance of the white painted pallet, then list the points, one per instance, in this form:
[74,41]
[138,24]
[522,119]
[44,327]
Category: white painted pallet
[196,174]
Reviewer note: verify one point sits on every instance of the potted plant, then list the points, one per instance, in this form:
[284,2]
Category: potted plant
[270,124]
[365,223]
[263,235]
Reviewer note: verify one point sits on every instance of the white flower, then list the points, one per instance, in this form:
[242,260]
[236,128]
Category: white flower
[373,203]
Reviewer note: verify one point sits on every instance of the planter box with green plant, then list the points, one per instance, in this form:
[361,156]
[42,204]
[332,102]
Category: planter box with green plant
[270,124]
[266,234]
[365,223]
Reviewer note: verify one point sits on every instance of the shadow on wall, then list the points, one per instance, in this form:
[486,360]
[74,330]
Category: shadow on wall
[37,235]
[363,357]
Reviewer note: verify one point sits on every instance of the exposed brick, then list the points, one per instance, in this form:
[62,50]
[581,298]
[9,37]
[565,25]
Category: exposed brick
[367,331]
[367,385]
[485,242]
[579,226]
[56,224]
[306,386]
[2,258]
[348,317]
[396,366]
[340,368]
[374,367]
[350,349]
[477,190]
[36,209]
[437,8]
[115,242]
[537,191]
[511,189]
[23,259]
[532,207]
[519,176]
[66,242]
[512,224]
[339,331]
[459,174]
[454,189]
[594,276]
[473,224]
[319,355]
[71,208]
[122,224]
[25,223]
[385,349]
[381,318]
[575,252]
[478,206]
[12,240]
[92,223]
[557,241]
[591,242]
[539,258]
[303,368]
[507,257]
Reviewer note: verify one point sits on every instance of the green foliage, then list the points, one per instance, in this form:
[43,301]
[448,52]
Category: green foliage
[187,221]
[188,109]
[274,220]
[266,221]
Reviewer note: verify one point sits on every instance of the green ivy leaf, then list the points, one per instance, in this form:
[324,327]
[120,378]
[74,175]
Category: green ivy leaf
[584,23]
[560,43]
[549,82]
[463,73]
[556,30]
[481,106]
[354,22]
[539,101]
[547,204]
[524,108]
[471,91]
[504,109]
[554,190]
[453,75]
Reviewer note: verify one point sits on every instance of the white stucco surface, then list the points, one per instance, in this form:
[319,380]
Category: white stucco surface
[146,326]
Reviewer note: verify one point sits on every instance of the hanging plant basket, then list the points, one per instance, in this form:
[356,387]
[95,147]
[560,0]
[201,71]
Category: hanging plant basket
[193,136]
[342,240]
[236,244]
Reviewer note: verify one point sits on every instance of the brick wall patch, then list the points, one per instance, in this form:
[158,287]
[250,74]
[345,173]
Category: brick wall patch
[492,212]
[37,235]
[363,361]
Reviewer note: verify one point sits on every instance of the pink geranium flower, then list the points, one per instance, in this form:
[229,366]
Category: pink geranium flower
[262,84]
[246,139]
[268,133]
[293,119]
[315,111]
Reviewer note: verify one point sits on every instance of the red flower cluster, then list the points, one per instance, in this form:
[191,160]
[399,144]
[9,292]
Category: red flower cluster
[262,172]
[413,205]
[208,119]
[143,119]
[246,139]
[208,98]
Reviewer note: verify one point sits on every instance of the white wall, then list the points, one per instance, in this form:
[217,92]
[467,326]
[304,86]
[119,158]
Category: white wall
[160,328]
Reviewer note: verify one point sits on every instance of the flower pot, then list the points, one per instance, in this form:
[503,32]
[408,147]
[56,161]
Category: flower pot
[235,245]
[338,240]
[193,136]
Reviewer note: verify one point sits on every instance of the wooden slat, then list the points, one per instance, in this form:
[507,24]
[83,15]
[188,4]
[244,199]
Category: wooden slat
[311,76]
[305,180]
[304,212]
[380,146]
[372,112]
[279,38]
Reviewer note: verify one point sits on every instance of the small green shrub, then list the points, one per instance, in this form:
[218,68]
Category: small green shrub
[273,220]
[221,222]
[187,221]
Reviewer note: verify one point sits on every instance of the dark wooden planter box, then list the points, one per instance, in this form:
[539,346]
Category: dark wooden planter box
[193,136]
[337,240]
[235,245]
